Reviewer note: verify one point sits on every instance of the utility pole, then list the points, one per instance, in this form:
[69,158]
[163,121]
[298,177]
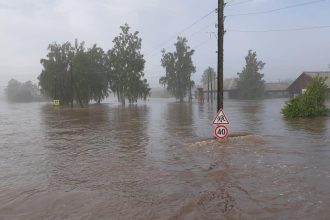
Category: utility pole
[221,32]
[71,83]
[208,87]
[211,86]
[214,85]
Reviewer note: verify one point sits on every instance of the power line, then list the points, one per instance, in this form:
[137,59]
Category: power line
[194,47]
[156,73]
[201,44]
[197,21]
[229,1]
[276,9]
[180,32]
[238,3]
[202,29]
[188,36]
[282,30]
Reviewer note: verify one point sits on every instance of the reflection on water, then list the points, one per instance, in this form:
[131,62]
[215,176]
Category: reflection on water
[251,112]
[149,161]
[316,125]
[179,120]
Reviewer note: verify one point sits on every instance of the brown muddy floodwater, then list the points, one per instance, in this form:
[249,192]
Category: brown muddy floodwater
[156,160]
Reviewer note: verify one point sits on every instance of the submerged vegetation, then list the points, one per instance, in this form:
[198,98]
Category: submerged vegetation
[311,103]
[74,73]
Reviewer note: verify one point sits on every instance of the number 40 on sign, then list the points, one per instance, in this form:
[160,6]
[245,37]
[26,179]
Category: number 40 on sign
[221,131]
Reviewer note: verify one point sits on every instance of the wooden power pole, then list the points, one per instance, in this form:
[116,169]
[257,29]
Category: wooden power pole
[208,87]
[71,84]
[221,32]
[211,78]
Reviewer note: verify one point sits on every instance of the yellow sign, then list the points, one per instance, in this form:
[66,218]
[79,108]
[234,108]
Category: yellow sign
[56,102]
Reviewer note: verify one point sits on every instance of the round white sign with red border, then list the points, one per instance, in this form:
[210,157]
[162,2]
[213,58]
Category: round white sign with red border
[221,132]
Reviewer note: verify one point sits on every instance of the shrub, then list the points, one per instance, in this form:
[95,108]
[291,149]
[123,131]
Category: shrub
[309,104]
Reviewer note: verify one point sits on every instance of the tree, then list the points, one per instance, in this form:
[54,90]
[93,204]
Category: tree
[99,88]
[178,69]
[208,78]
[74,73]
[208,75]
[309,104]
[22,92]
[126,64]
[250,84]
[54,79]
[89,75]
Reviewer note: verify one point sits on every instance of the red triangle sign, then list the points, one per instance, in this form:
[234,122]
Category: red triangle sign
[221,118]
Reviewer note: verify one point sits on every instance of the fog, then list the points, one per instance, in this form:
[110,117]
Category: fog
[64,155]
[27,27]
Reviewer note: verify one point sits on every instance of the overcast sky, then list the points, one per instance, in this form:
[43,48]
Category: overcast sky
[28,26]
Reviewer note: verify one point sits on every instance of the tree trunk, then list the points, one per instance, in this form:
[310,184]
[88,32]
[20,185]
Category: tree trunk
[118,97]
[79,99]
[122,99]
[190,94]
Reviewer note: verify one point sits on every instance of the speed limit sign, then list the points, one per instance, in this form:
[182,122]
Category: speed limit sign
[221,132]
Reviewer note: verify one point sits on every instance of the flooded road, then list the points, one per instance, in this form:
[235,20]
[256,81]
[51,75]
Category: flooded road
[156,160]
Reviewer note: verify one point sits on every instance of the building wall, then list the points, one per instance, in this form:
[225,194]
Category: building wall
[300,84]
[277,94]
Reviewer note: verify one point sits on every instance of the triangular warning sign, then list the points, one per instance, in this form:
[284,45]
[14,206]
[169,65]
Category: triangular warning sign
[221,118]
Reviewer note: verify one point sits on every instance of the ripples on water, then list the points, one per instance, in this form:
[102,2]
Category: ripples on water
[155,160]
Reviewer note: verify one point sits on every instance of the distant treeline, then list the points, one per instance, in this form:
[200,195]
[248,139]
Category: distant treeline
[75,74]
[22,92]
[160,93]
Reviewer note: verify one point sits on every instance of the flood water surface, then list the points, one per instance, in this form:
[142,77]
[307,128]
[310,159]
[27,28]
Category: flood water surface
[157,160]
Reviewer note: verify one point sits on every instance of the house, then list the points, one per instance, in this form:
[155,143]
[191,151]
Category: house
[160,93]
[301,83]
[276,90]
[272,90]
[230,88]
[199,94]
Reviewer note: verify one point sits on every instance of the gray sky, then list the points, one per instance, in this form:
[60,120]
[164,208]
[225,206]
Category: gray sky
[28,26]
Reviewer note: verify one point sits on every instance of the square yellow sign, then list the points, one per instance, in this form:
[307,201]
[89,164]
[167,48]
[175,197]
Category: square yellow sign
[56,102]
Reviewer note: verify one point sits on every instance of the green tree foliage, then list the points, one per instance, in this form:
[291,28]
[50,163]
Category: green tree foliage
[250,84]
[90,80]
[22,92]
[208,75]
[54,78]
[178,67]
[309,104]
[78,74]
[126,64]
[74,73]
